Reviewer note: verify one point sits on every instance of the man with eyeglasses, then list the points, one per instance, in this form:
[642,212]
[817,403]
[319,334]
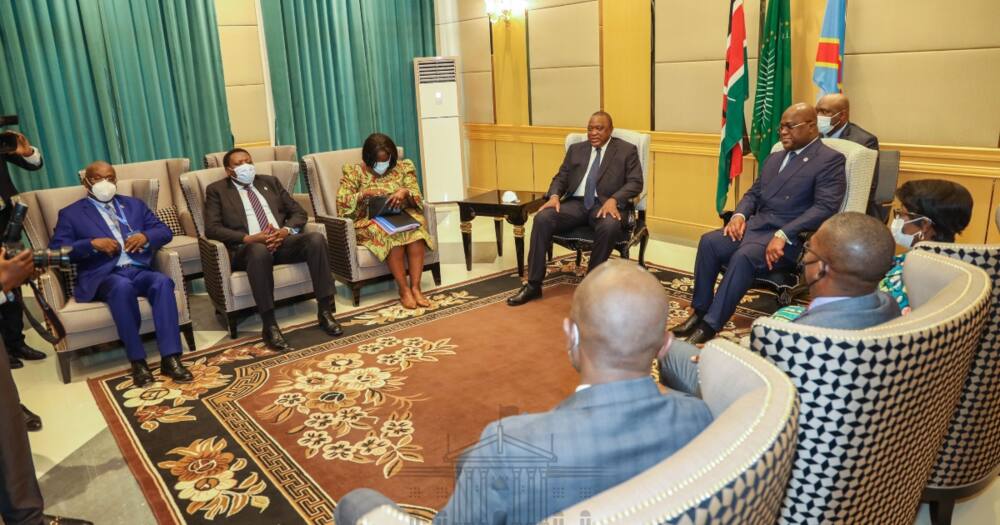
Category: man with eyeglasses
[833,120]
[843,264]
[797,189]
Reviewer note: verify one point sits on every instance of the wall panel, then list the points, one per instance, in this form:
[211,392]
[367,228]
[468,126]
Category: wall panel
[547,159]
[564,56]
[482,166]
[243,71]
[888,26]
[515,167]
[565,96]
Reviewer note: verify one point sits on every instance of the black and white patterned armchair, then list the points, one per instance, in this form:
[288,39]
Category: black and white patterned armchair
[876,403]
[735,472]
[969,459]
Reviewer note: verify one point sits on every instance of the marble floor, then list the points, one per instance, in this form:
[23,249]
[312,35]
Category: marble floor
[78,461]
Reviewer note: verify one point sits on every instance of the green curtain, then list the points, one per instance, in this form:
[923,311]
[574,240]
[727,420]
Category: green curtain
[119,80]
[343,70]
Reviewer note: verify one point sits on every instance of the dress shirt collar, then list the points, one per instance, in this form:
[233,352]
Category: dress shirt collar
[840,131]
[582,387]
[820,301]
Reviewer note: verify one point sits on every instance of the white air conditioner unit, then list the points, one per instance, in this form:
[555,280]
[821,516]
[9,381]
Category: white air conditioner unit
[440,128]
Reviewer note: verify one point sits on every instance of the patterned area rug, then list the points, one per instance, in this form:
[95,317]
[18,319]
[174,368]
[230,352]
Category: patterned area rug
[261,437]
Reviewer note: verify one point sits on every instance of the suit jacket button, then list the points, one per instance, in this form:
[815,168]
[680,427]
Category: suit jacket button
[786,197]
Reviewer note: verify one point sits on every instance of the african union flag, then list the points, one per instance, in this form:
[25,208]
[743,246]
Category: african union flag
[829,72]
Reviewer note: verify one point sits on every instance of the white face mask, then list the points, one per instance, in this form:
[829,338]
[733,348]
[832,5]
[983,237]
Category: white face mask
[905,240]
[245,174]
[825,124]
[381,167]
[104,190]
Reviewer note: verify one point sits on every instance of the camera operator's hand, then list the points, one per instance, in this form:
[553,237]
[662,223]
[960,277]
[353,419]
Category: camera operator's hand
[106,246]
[13,272]
[136,242]
[24,147]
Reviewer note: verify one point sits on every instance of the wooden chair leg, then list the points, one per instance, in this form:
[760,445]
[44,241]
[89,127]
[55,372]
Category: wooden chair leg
[579,257]
[642,249]
[231,321]
[64,366]
[436,273]
[356,292]
[188,331]
[941,511]
[550,252]
[623,252]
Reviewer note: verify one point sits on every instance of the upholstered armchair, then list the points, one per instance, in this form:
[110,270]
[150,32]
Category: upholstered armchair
[353,264]
[90,324]
[969,459]
[860,168]
[876,403]
[259,154]
[230,290]
[581,238]
[170,206]
[735,472]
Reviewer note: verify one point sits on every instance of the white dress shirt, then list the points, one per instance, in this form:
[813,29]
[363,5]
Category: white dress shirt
[820,301]
[35,158]
[582,188]
[253,227]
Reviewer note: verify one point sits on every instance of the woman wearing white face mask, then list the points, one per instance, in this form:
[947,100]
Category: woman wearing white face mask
[383,174]
[930,210]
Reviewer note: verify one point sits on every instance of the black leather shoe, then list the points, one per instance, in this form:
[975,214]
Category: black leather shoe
[274,339]
[31,420]
[687,327]
[701,335]
[329,324]
[27,353]
[48,519]
[141,375]
[528,292]
[172,367]
[15,363]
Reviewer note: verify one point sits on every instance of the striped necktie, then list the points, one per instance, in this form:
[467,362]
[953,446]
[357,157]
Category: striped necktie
[258,208]
[117,220]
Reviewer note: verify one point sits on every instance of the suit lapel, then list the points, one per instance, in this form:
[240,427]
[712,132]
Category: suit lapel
[609,154]
[90,211]
[793,167]
[270,196]
[236,203]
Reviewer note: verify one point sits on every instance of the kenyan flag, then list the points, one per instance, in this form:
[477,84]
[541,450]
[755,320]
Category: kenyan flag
[735,90]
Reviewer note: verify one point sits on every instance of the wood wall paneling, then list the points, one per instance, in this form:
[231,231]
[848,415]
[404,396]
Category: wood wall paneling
[482,166]
[547,159]
[625,62]
[515,166]
[510,72]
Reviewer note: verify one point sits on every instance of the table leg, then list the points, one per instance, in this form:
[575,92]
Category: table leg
[498,224]
[465,227]
[519,247]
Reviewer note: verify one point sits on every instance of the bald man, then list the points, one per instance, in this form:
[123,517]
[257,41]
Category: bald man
[844,262]
[833,113]
[798,188]
[617,424]
[114,240]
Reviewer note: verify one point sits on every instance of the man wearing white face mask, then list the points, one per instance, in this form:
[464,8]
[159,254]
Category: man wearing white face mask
[114,239]
[260,224]
[833,114]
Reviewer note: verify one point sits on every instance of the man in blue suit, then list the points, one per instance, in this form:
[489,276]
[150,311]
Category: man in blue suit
[797,189]
[114,239]
[616,425]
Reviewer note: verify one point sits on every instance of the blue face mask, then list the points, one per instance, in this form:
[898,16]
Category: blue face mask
[381,167]
[245,174]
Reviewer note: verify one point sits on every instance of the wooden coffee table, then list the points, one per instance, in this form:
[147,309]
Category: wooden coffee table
[490,204]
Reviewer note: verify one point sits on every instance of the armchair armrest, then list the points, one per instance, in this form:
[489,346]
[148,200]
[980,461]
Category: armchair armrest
[306,203]
[218,270]
[430,213]
[187,223]
[52,290]
[342,246]
[313,226]
[169,263]
[727,215]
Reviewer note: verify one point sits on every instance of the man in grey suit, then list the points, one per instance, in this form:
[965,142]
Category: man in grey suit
[615,426]
[596,181]
[844,262]
[833,120]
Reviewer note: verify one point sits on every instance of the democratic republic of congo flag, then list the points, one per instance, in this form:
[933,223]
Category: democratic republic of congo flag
[829,72]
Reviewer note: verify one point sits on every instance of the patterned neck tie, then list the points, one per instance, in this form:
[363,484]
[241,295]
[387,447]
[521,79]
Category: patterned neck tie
[258,208]
[117,220]
[791,158]
[590,190]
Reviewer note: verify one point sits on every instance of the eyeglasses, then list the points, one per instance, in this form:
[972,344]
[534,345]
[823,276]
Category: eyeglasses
[909,217]
[806,248]
[789,127]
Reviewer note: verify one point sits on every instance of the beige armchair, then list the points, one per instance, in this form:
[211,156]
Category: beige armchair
[230,291]
[90,324]
[876,403]
[259,154]
[734,472]
[169,206]
[969,459]
[353,264]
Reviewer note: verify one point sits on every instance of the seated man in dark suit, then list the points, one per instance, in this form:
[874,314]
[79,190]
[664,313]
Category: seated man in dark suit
[617,422]
[596,180]
[260,224]
[844,262]
[114,238]
[833,113]
[798,188]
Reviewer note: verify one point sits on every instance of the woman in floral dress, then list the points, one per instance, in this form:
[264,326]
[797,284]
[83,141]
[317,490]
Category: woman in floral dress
[382,173]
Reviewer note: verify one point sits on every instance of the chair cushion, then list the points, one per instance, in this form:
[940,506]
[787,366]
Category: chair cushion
[367,259]
[169,217]
[284,275]
[187,250]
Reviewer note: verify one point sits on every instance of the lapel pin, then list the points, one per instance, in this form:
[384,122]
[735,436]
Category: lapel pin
[805,159]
